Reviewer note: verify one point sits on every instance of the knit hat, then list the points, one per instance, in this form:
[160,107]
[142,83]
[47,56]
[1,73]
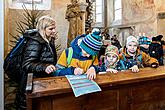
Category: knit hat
[144,40]
[112,49]
[131,39]
[159,37]
[92,43]
[154,39]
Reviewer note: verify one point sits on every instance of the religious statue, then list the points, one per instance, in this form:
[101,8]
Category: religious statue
[74,16]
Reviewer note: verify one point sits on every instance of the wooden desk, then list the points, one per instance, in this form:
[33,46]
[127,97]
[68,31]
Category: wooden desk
[123,91]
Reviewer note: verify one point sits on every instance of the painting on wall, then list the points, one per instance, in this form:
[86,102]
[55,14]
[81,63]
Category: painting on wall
[160,5]
[138,10]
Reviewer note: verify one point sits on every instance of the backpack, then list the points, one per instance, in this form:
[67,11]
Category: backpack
[13,61]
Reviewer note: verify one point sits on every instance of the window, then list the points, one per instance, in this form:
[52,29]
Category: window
[28,1]
[38,4]
[99,12]
[118,10]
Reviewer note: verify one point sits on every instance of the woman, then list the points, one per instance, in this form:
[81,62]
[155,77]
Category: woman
[39,55]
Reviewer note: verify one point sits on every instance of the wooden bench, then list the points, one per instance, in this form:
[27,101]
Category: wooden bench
[123,91]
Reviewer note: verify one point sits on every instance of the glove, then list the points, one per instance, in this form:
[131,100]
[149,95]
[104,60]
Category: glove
[154,65]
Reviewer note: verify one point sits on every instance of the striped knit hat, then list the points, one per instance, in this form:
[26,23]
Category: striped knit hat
[92,43]
[144,40]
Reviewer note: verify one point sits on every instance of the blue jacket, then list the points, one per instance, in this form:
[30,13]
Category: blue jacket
[121,65]
[77,60]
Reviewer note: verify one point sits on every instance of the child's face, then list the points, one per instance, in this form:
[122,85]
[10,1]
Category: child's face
[132,47]
[84,53]
[111,58]
[146,46]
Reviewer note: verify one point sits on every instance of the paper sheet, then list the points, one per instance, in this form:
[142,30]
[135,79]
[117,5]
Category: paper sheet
[81,85]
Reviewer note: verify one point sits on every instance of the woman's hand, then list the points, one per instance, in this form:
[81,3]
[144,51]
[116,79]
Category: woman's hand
[91,73]
[134,69]
[112,70]
[50,68]
[78,71]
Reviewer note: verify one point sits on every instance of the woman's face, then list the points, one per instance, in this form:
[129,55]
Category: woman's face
[132,47]
[112,58]
[50,31]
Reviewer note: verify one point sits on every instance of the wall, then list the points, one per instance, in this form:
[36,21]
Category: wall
[109,12]
[160,22]
[160,5]
[57,11]
[161,27]
[1,53]
[143,15]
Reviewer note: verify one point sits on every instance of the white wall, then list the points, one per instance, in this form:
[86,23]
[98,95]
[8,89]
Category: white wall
[1,54]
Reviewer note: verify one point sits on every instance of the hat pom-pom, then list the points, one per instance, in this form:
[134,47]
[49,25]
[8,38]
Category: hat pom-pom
[96,31]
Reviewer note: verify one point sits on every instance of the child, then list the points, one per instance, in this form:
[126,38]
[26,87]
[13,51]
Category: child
[156,50]
[144,43]
[84,58]
[111,60]
[135,58]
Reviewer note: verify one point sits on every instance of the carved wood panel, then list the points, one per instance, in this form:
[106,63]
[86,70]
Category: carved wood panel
[148,96]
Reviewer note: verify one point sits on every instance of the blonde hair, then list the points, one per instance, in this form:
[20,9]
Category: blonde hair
[43,23]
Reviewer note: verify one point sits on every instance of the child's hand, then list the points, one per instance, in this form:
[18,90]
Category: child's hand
[50,68]
[112,70]
[134,68]
[91,73]
[78,71]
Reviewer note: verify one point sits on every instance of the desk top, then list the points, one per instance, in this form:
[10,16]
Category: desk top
[59,85]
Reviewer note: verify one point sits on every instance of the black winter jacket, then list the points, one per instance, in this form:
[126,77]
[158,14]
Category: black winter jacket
[38,54]
[156,51]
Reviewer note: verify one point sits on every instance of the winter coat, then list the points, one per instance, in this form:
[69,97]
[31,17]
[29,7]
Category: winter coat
[141,59]
[77,60]
[119,65]
[156,51]
[38,54]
